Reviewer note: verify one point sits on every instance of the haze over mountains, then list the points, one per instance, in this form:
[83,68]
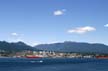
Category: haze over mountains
[67,46]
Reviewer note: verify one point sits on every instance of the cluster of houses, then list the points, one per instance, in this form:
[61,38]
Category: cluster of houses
[51,54]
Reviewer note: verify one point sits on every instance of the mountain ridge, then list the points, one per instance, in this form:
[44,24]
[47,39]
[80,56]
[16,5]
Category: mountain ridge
[15,46]
[69,46]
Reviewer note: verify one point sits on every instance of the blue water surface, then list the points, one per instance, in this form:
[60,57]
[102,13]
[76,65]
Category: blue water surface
[49,64]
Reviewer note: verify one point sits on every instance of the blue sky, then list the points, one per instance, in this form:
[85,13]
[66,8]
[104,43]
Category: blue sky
[49,21]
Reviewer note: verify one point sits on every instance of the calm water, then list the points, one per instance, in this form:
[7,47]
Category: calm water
[8,64]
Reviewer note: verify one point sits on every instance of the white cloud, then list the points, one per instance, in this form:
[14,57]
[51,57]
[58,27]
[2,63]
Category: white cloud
[59,12]
[15,37]
[31,43]
[106,25]
[14,34]
[34,44]
[19,39]
[82,30]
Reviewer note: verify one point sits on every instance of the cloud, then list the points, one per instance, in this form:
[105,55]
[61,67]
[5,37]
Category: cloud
[106,25]
[34,44]
[15,37]
[82,30]
[59,12]
[19,39]
[14,34]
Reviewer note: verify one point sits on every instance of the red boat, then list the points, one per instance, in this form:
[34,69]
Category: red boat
[102,57]
[33,56]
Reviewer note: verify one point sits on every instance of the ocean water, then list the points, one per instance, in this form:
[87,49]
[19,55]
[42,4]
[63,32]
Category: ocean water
[62,64]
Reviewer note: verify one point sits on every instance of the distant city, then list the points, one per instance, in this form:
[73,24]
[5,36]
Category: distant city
[56,50]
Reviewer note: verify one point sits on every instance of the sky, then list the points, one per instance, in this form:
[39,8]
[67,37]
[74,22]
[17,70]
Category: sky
[50,21]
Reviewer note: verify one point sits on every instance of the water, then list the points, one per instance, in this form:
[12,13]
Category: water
[9,64]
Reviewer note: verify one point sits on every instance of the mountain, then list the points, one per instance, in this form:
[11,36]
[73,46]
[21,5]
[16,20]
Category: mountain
[69,46]
[18,46]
